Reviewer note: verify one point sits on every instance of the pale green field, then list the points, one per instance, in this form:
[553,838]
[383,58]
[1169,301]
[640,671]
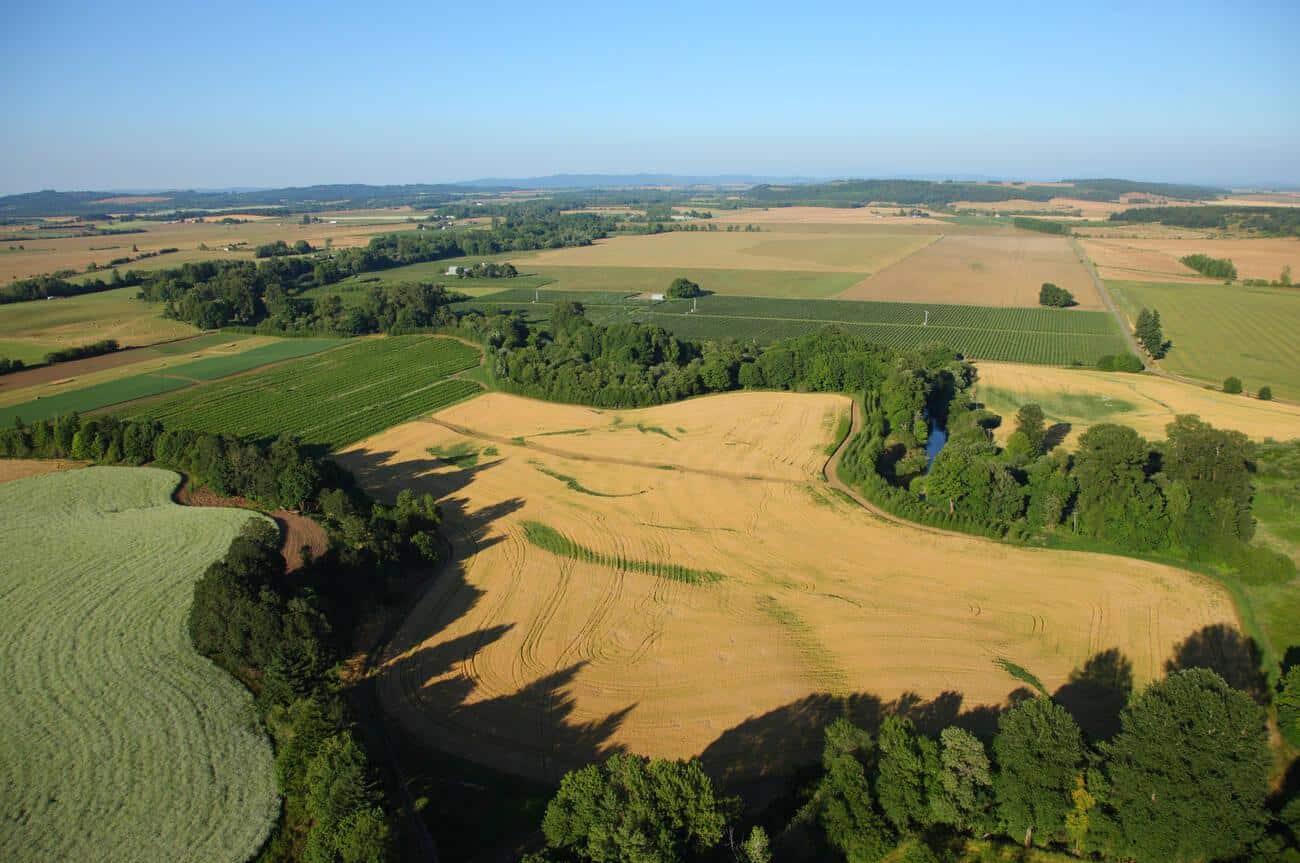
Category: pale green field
[47,324]
[747,283]
[1220,330]
[120,742]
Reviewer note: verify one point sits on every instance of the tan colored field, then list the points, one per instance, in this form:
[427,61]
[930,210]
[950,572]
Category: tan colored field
[1263,199]
[764,250]
[21,468]
[46,256]
[534,662]
[1157,259]
[1082,397]
[1089,209]
[1003,269]
[819,216]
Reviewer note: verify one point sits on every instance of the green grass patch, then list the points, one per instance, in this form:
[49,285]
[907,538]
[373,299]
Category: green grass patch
[198,343]
[1089,407]
[575,485]
[121,742]
[842,428]
[549,539]
[68,321]
[332,399]
[1220,330]
[1019,672]
[659,430]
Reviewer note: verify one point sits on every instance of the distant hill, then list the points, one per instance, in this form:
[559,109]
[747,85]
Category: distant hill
[858,193]
[604,181]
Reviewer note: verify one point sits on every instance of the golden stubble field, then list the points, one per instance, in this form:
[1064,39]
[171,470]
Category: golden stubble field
[1005,268]
[536,662]
[1157,259]
[1083,397]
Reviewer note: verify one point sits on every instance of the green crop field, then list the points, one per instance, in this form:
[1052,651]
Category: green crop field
[120,742]
[736,282]
[147,384]
[1220,330]
[1050,336]
[334,399]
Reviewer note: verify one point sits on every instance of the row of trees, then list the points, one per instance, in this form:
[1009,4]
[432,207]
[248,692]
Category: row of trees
[1270,221]
[280,248]
[1150,333]
[1183,779]
[1218,268]
[42,287]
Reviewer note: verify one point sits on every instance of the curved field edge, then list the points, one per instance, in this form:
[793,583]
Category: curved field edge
[121,742]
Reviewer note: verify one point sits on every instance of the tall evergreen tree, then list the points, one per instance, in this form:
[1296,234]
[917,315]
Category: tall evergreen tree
[905,769]
[1039,753]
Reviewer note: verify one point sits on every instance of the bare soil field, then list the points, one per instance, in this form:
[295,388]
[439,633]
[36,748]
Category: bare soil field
[1157,259]
[297,531]
[680,580]
[1082,397]
[1004,269]
[764,250]
[21,468]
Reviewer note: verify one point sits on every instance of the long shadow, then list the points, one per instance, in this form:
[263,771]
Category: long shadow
[1224,649]
[1096,693]
[1055,435]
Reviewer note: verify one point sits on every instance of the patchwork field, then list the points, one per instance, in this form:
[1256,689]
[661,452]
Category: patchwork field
[1034,335]
[1082,397]
[37,327]
[1219,330]
[997,269]
[125,384]
[1158,259]
[121,742]
[613,566]
[334,399]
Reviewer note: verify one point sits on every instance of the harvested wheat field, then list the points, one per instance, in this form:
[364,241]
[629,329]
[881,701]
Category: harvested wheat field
[762,250]
[1158,259]
[1003,269]
[1082,397]
[21,468]
[656,579]
[826,217]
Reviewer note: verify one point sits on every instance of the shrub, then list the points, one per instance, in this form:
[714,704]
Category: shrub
[1232,385]
[1265,393]
[1119,363]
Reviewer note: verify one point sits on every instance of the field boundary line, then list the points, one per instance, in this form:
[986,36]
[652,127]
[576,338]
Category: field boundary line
[890,265]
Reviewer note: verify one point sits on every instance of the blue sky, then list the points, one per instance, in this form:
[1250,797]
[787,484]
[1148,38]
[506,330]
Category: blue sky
[208,95]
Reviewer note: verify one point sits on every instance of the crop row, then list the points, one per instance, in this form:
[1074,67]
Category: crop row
[334,399]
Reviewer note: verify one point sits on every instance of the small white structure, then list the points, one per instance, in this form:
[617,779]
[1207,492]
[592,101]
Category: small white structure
[453,271]
[656,298]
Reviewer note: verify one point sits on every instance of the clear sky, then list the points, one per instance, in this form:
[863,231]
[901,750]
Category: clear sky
[143,95]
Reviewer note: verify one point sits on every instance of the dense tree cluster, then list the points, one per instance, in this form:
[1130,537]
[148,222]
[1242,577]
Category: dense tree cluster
[1057,297]
[1217,268]
[1042,226]
[1183,779]
[683,288]
[1268,221]
[488,270]
[1150,333]
[280,248]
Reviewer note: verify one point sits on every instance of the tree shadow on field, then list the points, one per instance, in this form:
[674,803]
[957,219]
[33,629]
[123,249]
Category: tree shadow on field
[1096,693]
[1055,435]
[1222,648]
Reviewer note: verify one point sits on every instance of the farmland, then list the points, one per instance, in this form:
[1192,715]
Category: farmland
[1019,335]
[535,661]
[1219,330]
[1157,260]
[333,399]
[996,269]
[117,388]
[121,743]
[30,330]
[1082,397]
[727,282]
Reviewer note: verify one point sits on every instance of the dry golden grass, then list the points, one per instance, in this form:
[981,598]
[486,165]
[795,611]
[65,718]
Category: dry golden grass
[1083,397]
[1263,199]
[1156,259]
[764,250]
[1003,269]
[827,216]
[534,663]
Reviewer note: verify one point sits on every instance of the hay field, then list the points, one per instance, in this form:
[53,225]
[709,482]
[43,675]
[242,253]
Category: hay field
[40,326]
[1156,259]
[1219,330]
[552,641]
[121,743]
[762,250]
[1083,397]
[993,269]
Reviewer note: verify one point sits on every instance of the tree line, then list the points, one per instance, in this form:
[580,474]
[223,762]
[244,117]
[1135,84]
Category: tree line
[1269,221]
[42,287]
[1218,268]
[1183,777]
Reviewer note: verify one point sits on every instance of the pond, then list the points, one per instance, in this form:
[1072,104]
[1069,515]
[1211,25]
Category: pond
[938,437]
